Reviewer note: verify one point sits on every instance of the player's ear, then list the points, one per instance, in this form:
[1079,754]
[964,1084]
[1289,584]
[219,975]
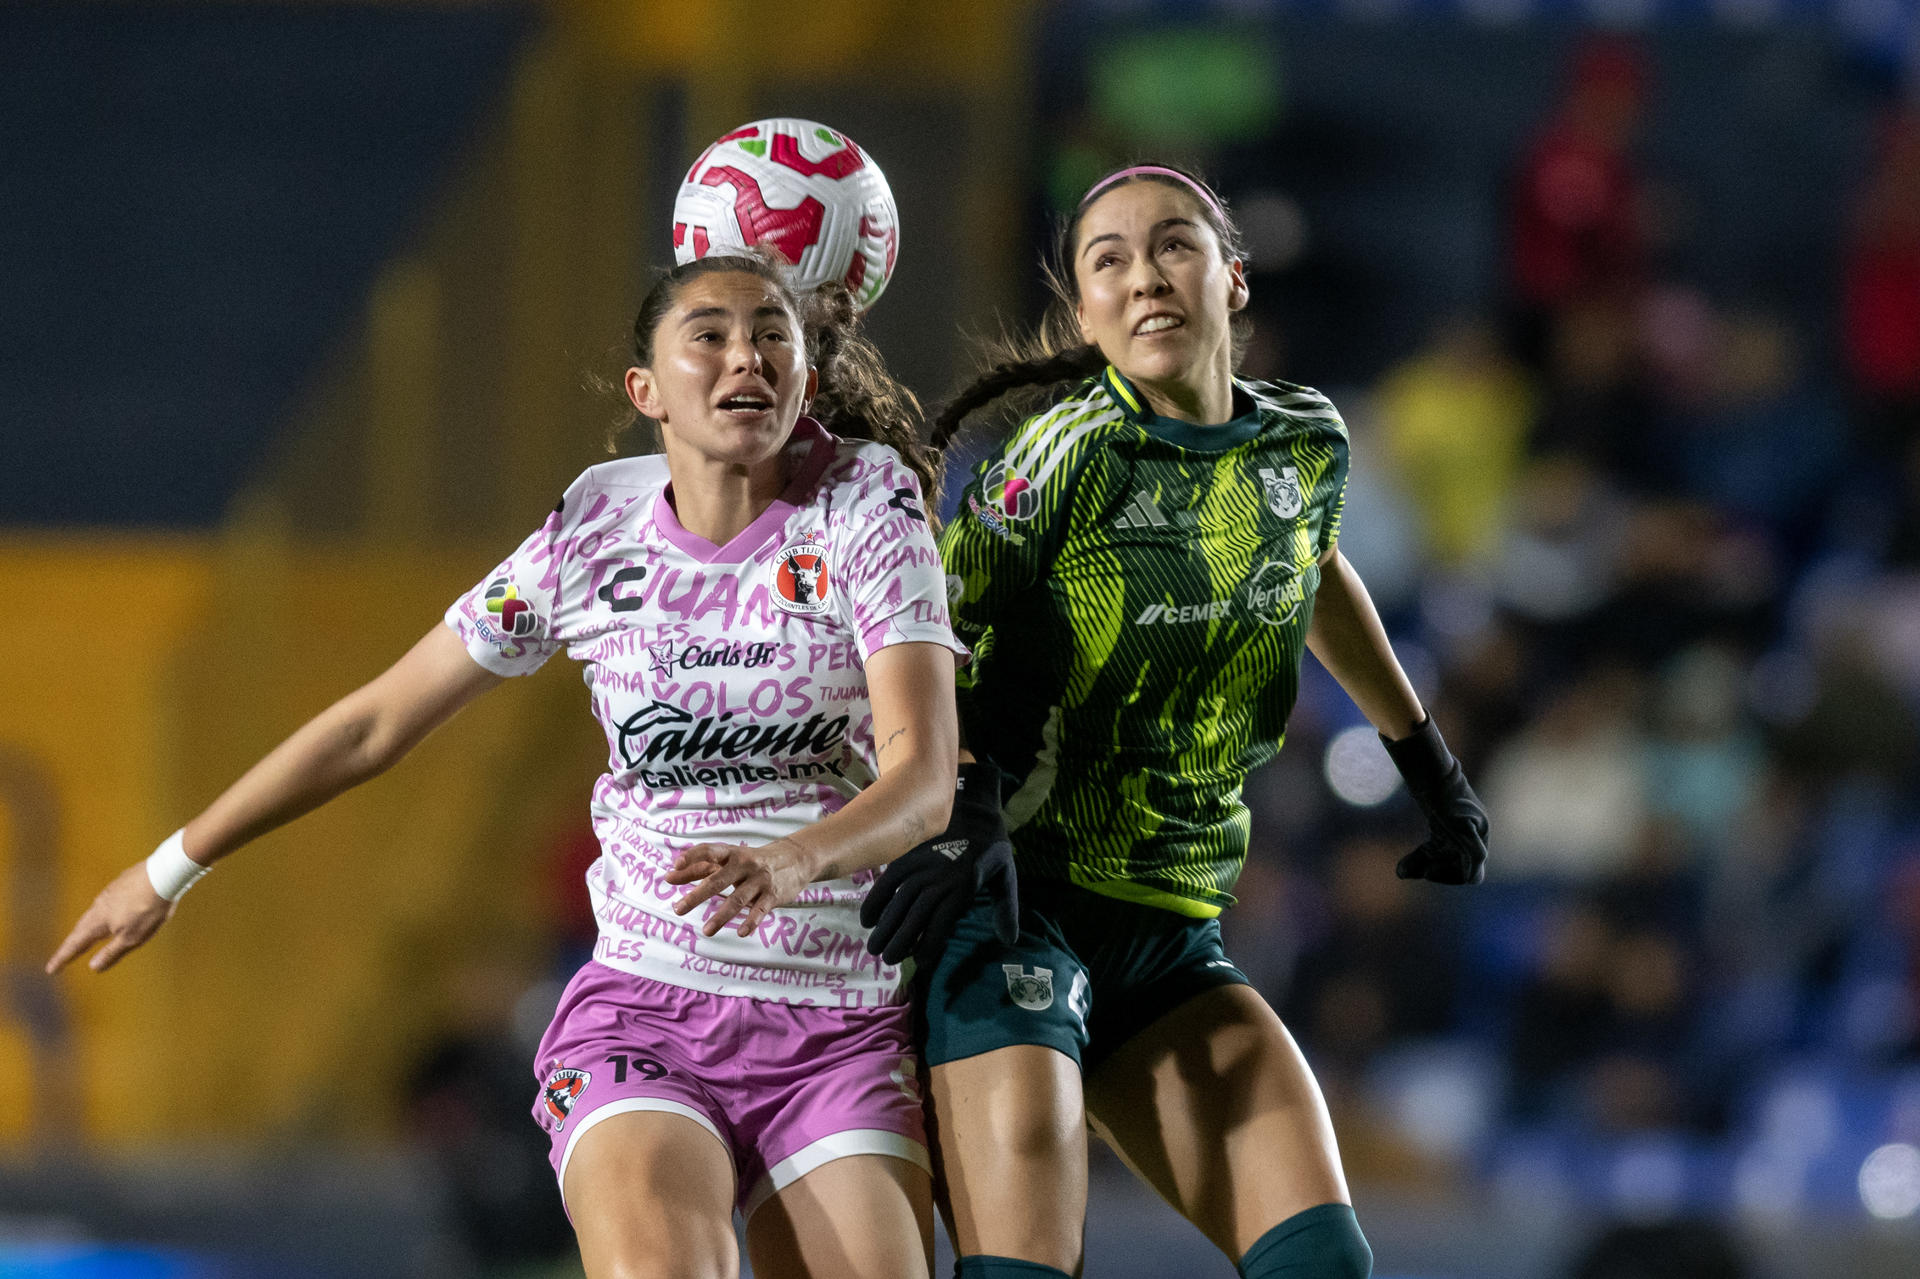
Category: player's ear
[1080,317]
[813,388]
[1237,290]
[644,392]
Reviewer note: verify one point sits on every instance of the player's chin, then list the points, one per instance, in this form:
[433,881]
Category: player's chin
[748,438]
[1161,361]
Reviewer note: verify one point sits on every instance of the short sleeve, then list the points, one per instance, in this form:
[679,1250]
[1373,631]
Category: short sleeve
[1332,489]
[507,619]
[1315,441]
[892,580]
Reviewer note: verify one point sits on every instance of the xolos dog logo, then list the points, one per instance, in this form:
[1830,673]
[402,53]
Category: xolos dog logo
[800,582]
[561,1091]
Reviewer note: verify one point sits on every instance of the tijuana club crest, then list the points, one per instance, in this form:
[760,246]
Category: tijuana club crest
[561,1091]
[800,579]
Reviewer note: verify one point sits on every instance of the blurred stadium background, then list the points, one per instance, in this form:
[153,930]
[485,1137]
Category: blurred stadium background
[1621,299]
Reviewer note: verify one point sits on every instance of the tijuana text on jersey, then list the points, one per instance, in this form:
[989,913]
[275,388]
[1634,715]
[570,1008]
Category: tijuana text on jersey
[731,686]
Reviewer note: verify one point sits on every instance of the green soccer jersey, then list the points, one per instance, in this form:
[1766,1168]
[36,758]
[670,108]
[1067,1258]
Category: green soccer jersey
[1136,591]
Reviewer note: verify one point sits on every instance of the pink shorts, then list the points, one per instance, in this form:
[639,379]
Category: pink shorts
[785,1087]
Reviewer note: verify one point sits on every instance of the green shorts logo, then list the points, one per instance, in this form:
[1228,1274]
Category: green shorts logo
[1033,991]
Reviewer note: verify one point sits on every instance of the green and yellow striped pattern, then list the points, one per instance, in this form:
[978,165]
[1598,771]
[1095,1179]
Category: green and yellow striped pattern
[1137,593]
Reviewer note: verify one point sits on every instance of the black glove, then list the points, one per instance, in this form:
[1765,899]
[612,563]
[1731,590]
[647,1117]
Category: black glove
[1455,851]
[913,907]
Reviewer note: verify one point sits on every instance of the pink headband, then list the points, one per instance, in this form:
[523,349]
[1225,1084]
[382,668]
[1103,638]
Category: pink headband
[1158,171]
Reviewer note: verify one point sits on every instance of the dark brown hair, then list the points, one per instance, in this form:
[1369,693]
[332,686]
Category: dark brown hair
[1055,352]
[857,398]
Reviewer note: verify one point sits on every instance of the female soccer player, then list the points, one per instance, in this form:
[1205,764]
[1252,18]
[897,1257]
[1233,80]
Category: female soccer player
[762,617]
[1137,568]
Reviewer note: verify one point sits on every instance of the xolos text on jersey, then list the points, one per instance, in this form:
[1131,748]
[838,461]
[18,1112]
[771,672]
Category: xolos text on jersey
[730,682]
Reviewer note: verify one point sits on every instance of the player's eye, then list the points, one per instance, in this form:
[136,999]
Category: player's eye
[1104,261]
[778,335]
[1174,242]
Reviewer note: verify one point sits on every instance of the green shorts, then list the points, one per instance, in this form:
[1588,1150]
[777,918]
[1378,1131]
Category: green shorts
[1088,973]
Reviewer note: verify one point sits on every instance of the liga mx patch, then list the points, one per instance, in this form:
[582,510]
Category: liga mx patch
[517,617]
[800,582]
[1014,496]
[561,1091]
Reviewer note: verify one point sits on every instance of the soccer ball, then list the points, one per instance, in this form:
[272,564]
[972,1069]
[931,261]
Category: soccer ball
[804,189]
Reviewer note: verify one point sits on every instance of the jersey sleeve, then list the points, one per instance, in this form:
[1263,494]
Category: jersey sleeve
[1334,487]
[891,578]
[1320,451]
[507,621]
[1003,537]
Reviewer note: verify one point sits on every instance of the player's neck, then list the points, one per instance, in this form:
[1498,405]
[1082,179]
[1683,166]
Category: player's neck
[1206,400]
[716,500]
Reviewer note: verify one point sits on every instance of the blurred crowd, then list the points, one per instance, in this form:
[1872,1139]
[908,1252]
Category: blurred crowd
[1653,557]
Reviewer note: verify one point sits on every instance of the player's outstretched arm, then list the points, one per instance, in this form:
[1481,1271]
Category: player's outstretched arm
[358,737]
[1347,637]
[915,733]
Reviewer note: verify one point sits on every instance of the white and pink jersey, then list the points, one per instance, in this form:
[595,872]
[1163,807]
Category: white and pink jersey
[730,682]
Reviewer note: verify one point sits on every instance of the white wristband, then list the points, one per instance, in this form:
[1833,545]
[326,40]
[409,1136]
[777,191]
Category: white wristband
[170,870]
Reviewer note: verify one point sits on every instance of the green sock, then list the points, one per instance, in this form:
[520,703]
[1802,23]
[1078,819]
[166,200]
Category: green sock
[1005,1268]
[1324,1242]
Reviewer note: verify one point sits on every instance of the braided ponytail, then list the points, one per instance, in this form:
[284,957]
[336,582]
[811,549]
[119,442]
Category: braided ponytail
[1013,373]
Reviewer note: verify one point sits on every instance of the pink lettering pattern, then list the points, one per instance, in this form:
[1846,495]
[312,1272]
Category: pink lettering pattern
[728,715]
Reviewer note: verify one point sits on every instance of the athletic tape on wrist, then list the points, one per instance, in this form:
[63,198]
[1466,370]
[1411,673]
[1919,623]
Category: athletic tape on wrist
[170,870]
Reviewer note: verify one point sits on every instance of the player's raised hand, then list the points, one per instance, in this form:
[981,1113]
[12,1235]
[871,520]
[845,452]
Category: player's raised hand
[913,908]
[762,879]
[1455,851]
[125,914]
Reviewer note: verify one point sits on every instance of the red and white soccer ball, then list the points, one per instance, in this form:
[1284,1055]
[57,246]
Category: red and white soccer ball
[806,190]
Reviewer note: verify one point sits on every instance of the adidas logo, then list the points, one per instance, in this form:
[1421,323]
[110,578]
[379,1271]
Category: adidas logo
[1141,513]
